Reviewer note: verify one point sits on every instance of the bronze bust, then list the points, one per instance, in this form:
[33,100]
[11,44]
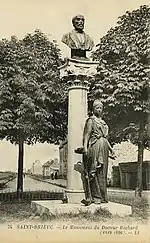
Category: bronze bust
[78,41]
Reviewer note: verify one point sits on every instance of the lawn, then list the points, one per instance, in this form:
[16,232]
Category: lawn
[12,212]
[5,175]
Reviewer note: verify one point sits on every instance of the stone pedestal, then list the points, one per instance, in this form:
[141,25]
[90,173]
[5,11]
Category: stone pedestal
[56,208]
[77,73]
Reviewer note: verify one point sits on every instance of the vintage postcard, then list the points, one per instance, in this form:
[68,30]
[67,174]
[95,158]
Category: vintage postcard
[74,121]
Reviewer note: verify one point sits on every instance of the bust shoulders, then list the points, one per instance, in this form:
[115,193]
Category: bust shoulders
[71,39]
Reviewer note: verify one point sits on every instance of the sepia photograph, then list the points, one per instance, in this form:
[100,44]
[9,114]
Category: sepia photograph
[75,121]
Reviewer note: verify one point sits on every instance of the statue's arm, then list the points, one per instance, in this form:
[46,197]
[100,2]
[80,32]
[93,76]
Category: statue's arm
[109,146]
[112,153]
[87,134]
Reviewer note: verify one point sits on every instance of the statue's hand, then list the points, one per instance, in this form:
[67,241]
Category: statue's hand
[112,154]
[84,150]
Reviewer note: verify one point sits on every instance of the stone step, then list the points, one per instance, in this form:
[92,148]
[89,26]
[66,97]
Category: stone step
[56,207]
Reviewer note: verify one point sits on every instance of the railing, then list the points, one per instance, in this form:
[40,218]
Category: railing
[28,196]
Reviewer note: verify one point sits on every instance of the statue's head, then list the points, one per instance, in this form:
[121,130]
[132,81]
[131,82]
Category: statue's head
[97,107]
[78,22]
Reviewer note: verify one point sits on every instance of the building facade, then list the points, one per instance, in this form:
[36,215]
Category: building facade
[36,168]
[51,169]
[125,175]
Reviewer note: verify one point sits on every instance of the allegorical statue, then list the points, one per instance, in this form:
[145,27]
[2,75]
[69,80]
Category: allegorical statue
[77,40]
[96,150]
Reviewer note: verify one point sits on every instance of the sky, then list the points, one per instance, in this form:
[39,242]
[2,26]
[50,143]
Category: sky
[41,152]
[53,17]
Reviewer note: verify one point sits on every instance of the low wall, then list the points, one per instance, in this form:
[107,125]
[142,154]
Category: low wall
[125,175]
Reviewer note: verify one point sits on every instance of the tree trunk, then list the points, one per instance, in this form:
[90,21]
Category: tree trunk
[20,167]
[139,186]
[149,113]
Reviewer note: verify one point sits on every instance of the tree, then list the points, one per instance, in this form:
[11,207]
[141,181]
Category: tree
[31,94]
[122,80]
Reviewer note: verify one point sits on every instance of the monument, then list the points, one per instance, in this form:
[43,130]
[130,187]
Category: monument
[78,71]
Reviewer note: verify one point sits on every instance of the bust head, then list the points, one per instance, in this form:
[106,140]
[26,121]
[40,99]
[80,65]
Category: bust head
[78,23]
[78,41]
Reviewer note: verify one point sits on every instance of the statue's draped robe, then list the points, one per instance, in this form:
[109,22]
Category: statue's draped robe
[72,40]
[97,157]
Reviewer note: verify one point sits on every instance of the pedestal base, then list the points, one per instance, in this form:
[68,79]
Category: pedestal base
[56,207]
[74,196]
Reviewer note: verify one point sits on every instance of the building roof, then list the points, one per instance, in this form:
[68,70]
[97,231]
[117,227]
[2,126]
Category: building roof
[54,163]
[48,163]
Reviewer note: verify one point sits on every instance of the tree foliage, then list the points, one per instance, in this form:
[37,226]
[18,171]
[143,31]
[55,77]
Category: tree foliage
[122,78]
[31,94]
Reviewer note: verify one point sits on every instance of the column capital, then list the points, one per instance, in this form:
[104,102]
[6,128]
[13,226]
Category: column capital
[78,68]
[78,83]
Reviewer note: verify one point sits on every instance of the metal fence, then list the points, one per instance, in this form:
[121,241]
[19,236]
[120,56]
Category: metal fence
[31,196]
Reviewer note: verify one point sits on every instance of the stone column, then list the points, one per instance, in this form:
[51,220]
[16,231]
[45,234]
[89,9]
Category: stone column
[61,161]
[77,73]
[77,114]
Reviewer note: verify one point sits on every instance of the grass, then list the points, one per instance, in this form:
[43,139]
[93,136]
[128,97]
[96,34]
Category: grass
[14,212]
[100,214]
[5,175]
[22,211]
[11,212]
[140,215]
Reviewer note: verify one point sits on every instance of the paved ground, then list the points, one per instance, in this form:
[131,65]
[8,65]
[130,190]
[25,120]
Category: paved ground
[32,185]
[59,182]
